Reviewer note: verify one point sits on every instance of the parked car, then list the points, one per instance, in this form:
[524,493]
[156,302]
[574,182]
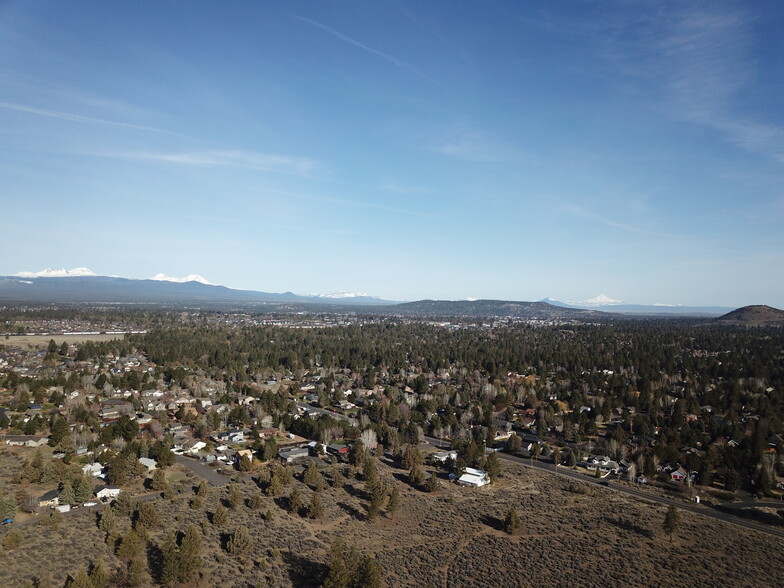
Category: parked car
[88,504]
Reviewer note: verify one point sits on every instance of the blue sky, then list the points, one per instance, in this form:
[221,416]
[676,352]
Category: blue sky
[409,150]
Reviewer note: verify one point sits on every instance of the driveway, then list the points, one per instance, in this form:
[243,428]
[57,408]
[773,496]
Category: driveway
[203,471]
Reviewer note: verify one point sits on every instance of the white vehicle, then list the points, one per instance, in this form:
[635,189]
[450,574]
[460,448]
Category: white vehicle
[89,504]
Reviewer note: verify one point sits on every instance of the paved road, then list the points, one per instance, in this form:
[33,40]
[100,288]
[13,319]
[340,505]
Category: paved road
[699,509]
[203,471]
[310,408]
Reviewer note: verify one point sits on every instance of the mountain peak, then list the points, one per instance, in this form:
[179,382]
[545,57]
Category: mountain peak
[189,278]
[58,273]
[601,300]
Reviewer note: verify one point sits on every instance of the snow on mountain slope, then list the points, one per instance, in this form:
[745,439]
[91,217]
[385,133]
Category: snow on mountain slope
[58,273]
[188,278]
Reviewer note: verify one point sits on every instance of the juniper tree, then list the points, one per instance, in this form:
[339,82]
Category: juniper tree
[255,502]
[316,507]
[311,473]
[394,500]
[295,501]
[190,553]
[234,496]
[512,521]
[220,516]
[240,542]
[672,521]
[171,564]
[99,576]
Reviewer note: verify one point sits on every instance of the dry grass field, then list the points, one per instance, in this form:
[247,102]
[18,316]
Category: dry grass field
[449,538]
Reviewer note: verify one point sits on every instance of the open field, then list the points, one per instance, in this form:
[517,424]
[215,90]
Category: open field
[450,538]
[41,341]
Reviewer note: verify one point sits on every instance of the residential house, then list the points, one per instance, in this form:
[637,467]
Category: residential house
[26,440]
[290,455]
[93,469]
[193,446]
[603,463]
[232,436]
[51,499]
[474,478]
[107,492]
[443,456]
[337,449]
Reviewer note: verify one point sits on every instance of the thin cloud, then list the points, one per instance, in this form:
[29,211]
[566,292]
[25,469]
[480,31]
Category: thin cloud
[78,118]
[697,57]
[473,146]
[583,212]
[355,43]
[247,159]
[700,56]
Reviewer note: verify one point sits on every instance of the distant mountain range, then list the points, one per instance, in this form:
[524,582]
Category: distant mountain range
[487,309]
[607,305]
[82,286]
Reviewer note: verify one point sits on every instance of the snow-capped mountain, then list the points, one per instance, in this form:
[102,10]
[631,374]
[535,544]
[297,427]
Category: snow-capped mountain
[341,295]
[600,300]
[58,273]
[188,278]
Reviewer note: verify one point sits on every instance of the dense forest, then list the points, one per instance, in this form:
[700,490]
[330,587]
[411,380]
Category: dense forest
[648,391]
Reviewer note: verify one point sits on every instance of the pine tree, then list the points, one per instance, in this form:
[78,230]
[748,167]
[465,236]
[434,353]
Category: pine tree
[672,521]
[416,476]
[146,516]
[316,507]
[159,482]
[432,483]
[368,573]
[339,574]
[190,553]
[99,576]
[108,520]
[80,580]
[67,495]
[376,500]
[309,477]
[295,501]
[171,564]
[337,478]
[131,546]
[394,501]
[83,489]
[275,486]
[137,573]
[493,466]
